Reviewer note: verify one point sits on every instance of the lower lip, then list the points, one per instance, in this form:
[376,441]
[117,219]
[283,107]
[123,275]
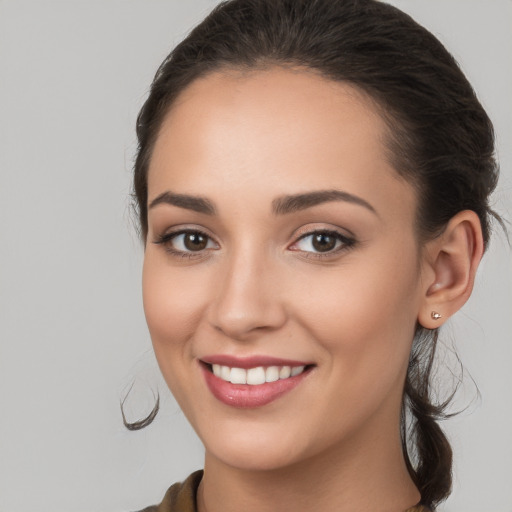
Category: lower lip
[245,396]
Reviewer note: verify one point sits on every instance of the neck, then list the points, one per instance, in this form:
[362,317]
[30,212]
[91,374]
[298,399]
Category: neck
[355,477]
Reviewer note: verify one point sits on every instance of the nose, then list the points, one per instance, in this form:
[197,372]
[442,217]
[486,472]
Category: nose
[248,300]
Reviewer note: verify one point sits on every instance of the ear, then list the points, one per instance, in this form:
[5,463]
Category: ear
[450,264]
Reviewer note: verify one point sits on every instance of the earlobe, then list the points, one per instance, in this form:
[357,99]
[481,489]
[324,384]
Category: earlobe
[453,261]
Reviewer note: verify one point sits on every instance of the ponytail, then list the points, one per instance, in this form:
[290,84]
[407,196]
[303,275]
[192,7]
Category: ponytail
[427,452]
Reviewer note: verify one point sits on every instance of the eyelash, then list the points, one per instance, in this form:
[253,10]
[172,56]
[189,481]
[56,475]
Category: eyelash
[346,243]
[167,238]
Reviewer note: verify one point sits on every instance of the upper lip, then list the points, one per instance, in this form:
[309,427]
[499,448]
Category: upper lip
[251,361]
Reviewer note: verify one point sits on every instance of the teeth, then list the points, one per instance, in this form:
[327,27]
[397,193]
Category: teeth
[238,376]
[296,370]
[271,374]
[225,373]
[285,372]
[255,376]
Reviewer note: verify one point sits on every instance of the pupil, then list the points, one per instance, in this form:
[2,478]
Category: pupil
[323,242]
[195,242]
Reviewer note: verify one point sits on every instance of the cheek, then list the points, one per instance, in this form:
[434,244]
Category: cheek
[173,303]
[365,326]
[364,314]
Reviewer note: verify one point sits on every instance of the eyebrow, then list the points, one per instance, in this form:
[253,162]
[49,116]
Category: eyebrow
[194,203]
[280,206]
[293,203]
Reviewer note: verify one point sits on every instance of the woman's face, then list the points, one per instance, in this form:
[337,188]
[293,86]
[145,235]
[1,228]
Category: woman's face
[280,237]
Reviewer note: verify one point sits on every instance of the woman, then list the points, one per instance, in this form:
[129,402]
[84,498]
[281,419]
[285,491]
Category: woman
[312,182]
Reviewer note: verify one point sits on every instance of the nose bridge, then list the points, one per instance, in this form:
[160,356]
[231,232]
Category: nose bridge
[248,297]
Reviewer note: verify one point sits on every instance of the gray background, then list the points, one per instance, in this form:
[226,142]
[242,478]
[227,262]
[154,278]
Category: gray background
[73,75]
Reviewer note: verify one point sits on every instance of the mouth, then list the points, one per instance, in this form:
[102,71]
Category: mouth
[254,382]
[255,376]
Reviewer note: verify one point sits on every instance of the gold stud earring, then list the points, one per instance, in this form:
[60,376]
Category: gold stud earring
[435,315]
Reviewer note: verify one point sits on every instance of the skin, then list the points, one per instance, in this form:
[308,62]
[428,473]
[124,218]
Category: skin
[241,140]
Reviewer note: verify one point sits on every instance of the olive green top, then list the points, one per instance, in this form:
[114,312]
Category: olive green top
[181,497]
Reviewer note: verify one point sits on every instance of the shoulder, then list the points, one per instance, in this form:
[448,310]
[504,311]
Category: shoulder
[180,497]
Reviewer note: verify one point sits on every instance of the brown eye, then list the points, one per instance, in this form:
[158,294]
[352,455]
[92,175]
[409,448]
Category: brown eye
[186,242]
[323,242]
[195,241]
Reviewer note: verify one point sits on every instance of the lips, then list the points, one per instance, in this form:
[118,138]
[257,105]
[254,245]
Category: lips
[254,381]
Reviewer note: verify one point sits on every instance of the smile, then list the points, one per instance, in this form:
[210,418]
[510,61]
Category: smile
[252,382]
[255,376]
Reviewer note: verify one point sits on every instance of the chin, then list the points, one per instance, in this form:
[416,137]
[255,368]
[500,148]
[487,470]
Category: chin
[262,460]
[253,452]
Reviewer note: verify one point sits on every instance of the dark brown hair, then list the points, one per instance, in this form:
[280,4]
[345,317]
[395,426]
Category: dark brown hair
[440,138]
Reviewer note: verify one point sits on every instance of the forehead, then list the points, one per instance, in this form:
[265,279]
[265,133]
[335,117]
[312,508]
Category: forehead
[279,130]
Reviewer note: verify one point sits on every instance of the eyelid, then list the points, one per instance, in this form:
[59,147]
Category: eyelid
[347,241]
[183,228]
[168,236]
[314,227]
